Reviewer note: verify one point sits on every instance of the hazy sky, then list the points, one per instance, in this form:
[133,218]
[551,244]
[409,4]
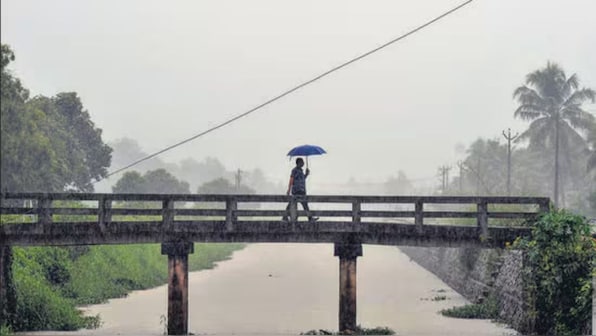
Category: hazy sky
[162,71]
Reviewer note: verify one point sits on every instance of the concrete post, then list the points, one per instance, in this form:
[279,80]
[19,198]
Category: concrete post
[483,220]
[177,285]
[347,253]
[418,213]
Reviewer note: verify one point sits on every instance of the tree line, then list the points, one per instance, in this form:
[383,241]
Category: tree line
[554,156]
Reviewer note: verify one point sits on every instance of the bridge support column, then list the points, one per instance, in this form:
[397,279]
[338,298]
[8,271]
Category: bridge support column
[347,253]
[8,299]
[177,285]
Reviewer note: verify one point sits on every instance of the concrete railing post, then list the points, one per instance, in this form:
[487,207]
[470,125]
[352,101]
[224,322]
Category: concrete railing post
[231,207]
[44,207]
[177,285]
[104,216]
[167,218]
[483,220]
[356,212]
[347,253]
[293,211]
[544,206]
[418,213]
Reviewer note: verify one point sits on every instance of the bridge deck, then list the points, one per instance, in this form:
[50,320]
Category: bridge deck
[87,219]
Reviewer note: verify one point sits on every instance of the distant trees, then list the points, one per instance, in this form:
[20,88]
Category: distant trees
[398,185]
[552,102]
[47,144]
[157,181]
[484,166]
[223,186]
[194,172]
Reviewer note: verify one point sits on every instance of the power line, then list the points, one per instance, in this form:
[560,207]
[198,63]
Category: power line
[295,88]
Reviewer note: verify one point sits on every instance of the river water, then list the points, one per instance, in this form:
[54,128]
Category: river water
[278,289]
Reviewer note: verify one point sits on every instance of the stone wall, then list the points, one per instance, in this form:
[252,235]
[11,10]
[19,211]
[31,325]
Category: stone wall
[478,274]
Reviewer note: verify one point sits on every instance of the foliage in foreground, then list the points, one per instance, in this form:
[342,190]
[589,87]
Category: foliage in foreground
[359,331]
[559,273]
[51,281]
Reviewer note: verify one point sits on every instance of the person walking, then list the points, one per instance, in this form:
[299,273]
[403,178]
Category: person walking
[297,187]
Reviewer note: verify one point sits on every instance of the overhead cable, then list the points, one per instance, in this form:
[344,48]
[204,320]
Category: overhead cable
[294,89]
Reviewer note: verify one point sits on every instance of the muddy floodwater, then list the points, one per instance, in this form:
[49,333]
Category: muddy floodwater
[286,289]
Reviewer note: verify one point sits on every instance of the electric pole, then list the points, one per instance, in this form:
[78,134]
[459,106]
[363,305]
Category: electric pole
[444,174]
[509,138]
[461,177]
[238,179]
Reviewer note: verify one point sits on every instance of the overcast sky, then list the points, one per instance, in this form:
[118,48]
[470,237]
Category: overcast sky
[162,71]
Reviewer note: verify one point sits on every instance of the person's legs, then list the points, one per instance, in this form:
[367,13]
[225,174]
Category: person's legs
[305,206]
[285,218]
[302,200]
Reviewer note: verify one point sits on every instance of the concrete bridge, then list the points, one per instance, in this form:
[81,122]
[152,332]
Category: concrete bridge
[178,221]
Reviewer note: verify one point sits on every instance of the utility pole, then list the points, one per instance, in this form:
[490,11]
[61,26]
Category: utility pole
[238,179]
[444,174]
[461,177]
[509,138]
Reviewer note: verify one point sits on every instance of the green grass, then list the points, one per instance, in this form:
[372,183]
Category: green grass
[485,310]
[51,281]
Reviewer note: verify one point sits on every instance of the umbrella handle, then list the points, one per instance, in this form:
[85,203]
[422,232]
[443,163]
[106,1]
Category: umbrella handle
[307,162]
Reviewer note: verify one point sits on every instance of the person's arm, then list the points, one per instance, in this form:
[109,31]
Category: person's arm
[290,185]
[307,173]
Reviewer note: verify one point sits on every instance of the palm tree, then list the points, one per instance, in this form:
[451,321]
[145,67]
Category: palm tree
[552,102]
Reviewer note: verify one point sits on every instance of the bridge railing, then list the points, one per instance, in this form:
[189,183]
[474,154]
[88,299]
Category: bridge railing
[45,208]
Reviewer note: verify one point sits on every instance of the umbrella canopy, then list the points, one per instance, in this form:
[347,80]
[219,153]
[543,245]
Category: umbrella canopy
[306,150]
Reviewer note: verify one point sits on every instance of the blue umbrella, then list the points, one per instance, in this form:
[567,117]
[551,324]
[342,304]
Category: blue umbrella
[306,150]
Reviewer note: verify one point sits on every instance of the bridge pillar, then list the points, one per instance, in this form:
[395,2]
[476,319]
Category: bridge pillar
[177,285]
[347,253]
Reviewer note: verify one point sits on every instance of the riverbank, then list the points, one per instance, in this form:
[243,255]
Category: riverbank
[285,289]
[51,281]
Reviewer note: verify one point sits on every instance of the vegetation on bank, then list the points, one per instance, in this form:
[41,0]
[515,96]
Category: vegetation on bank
[359,331]
[558,273]
[5,330]
[558,269]
[51,281]
[485,310]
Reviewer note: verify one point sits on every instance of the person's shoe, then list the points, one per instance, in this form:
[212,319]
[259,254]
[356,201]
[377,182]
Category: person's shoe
[284,219]
[313,219]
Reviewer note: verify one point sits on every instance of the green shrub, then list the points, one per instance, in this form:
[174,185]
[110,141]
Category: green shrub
[359,331]
[6,330]
[39,305]
[485,310]
[558,273]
